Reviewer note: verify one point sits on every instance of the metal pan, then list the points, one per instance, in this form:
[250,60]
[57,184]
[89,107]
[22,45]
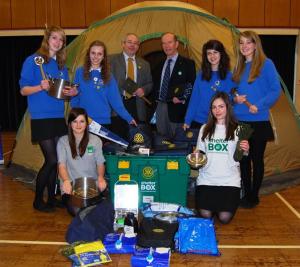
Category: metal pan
[57,86]
[85,192]
[169,216]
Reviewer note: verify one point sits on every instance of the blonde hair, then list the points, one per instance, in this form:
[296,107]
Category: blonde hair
[44,49]
[258,60]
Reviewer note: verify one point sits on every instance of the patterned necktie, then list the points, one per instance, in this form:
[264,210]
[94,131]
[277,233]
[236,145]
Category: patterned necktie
[165,82]
[130,68]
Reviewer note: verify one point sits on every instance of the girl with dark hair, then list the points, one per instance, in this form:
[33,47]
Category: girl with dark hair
[98,89]
[214,76]
[79,153]
[47,113]
[259,85]
[219,181]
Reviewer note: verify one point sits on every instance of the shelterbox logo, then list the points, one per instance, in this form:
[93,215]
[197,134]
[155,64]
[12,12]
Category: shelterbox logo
[148,186]
[218,145]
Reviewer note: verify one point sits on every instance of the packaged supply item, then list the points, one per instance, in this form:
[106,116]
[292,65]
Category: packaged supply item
[196,236]
[158,257]
[119,243]
[87,254]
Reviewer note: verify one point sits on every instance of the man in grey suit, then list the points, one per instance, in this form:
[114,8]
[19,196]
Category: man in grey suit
[140,74]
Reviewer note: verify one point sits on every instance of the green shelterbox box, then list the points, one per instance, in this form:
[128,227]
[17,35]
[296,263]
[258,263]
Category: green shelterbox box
[159,178]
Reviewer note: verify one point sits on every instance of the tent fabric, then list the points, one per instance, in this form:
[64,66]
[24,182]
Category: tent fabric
[194,26]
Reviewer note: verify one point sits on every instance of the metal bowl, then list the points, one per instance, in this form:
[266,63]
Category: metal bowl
[196,159]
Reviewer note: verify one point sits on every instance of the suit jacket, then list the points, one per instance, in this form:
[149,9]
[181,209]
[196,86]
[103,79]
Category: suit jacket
[144,79]
[184,73]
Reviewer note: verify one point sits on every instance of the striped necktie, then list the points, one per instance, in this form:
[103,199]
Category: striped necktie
[165,82]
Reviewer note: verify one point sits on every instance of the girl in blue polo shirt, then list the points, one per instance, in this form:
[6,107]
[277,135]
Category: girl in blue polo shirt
[215,76]
[258,90]
[98,90]
[46,112]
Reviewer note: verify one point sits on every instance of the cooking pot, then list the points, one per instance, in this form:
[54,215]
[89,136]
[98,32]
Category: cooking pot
[85,192]
[57,86]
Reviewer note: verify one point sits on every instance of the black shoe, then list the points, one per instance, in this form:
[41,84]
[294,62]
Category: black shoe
[55,204]
[43,207]
[246,203]
[255,201]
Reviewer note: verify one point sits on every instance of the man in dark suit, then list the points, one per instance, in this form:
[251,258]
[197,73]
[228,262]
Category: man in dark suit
[173,82]
[127,64]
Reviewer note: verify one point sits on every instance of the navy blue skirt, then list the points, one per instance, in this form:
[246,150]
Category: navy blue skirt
[217,198]
[44,129]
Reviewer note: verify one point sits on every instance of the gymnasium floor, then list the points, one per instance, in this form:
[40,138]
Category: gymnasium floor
[268,235]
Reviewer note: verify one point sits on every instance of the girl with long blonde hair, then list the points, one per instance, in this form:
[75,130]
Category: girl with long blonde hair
[47,112]
[258,90]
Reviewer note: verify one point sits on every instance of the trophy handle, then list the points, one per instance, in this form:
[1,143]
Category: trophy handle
[234,92]
[128,96]
[146,100]
[40,61]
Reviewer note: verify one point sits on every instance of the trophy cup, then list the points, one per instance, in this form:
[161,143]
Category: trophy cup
[130,87]
[243,132]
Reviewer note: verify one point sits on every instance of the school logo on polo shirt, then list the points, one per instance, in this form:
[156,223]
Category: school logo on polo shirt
[90,149]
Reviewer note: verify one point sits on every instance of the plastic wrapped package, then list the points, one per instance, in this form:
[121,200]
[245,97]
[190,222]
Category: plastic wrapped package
[196,236]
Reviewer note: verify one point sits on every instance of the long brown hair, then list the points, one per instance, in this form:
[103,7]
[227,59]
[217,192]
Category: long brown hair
[224,64]
[44,49]
[258,60]
[230,121]
[105,69]
[74,113]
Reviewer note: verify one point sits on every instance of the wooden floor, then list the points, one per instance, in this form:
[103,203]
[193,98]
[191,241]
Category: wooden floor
[268,235]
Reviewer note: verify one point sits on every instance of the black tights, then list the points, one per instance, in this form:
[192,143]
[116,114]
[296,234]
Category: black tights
[223,216]
[252,180]
[48,173]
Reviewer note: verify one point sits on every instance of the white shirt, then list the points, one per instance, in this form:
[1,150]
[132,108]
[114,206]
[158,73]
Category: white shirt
[98,69]
[221,169]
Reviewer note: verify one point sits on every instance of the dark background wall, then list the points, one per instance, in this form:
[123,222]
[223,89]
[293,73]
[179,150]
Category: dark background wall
[14,50]
[281,49]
